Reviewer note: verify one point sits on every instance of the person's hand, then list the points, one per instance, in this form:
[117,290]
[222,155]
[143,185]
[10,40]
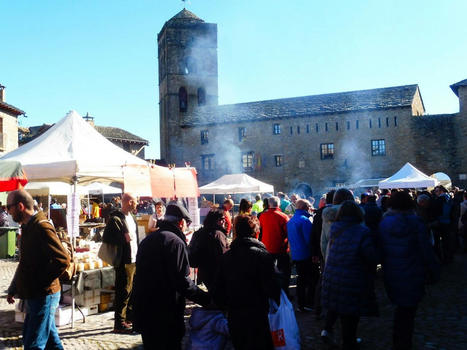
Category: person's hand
[10,299]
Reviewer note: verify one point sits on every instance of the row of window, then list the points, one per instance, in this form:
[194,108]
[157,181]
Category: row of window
[183,98]
[276,130]
[378,148]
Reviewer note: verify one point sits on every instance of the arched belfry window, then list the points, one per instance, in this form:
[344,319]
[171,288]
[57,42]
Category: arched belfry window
[201,97]
[183,99]
[190,65]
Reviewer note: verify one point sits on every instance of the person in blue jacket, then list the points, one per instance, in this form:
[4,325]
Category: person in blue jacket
[208,330]
[407,258]
[349,272]
[299,229]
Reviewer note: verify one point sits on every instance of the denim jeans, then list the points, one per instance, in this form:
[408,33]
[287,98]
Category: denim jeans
[39,331]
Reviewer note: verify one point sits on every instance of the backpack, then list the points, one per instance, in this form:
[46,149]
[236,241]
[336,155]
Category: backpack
[71,270]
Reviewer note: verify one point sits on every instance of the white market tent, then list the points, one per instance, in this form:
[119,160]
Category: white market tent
[408,177]
[101,189]
[236,183]
[52,188]
[73,151]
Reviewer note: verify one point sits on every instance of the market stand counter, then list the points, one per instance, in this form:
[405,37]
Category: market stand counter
[90,291]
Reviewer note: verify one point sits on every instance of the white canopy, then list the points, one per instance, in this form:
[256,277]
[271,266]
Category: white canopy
[100,188]
[64,189]
[73,148]
[408,177]
[53,188]
[236,183]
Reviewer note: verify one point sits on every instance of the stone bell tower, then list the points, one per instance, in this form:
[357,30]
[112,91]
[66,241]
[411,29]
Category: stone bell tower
[188,77]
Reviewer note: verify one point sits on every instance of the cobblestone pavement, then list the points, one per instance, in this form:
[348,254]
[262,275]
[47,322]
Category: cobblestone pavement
[441,321]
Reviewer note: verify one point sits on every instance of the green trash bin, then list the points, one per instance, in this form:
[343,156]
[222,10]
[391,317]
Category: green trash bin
[7,242]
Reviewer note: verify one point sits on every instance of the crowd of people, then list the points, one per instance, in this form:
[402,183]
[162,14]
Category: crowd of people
[244,260]
[335,250]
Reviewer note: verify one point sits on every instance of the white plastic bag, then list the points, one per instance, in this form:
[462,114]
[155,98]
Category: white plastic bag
[284,328]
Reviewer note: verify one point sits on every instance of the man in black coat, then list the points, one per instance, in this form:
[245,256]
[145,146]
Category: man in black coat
[163,282]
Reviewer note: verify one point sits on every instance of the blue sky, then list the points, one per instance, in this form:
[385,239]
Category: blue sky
[100,56]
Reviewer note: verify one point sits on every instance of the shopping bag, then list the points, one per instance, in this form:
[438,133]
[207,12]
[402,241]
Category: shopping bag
[283,325]
[110,254]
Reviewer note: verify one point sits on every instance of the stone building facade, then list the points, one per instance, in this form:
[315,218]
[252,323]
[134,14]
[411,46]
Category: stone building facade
[321,140]
[8,124]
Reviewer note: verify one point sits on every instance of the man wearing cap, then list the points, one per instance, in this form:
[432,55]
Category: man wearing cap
[163,282]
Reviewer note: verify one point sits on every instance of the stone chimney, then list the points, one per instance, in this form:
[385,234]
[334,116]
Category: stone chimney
[89,119]
[2,93]
[462,93]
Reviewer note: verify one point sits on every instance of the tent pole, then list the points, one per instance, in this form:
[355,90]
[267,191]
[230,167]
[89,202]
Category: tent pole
[73,244]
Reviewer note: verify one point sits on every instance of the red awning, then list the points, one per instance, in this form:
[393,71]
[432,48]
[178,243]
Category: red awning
[12,176]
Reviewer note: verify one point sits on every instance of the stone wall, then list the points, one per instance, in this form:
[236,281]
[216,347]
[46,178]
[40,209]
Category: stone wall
[299,145]
[9,134]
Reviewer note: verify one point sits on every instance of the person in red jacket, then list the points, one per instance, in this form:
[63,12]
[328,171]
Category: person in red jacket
[228,205]
[274,237]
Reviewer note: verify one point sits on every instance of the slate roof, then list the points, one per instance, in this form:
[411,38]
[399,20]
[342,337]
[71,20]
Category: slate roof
[11,109]
[455,87]
[108,132]
[184,16]
[119,134]
[352,101]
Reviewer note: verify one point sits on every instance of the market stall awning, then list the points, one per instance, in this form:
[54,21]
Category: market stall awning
[186,184]
[162,182]
[50,188]
[100,188]
[73,149]
[236,183]
[408,177]
[12,176]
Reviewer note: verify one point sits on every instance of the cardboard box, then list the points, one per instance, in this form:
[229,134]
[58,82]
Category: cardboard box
[93,310]
[20,316]
[106,297]
[104,307]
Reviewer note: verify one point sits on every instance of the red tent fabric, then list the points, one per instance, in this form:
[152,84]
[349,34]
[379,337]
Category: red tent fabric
[12,176]
[186,184]
[162,182]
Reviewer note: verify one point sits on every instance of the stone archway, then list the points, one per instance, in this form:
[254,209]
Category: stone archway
[443,179]
[304,190]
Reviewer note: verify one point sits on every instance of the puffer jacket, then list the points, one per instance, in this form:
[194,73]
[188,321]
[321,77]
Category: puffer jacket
[348,278]
[208,330]
[299,230]
[407,257]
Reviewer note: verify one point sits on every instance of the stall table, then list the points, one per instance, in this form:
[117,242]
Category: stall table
[86,286]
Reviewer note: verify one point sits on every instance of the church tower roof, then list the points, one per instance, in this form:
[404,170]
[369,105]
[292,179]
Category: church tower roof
[455,87]
[185,16]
